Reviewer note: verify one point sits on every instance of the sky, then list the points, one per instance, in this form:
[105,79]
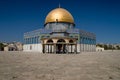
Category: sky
[101,17]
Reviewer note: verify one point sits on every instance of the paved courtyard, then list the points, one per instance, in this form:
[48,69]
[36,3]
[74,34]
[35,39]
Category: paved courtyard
[84,66]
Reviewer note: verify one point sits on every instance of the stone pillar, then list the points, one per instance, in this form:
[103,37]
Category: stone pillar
[55,48]
[67,42]
[76,48]
[55,41]
[67,48]
[43,48]
[71,48]
[48,48]
[51,48]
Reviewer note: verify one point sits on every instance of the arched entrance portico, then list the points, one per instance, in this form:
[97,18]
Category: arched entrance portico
[71,45]
[50,46]
[61,46]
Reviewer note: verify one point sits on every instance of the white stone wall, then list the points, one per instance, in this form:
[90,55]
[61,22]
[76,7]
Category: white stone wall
[84,47]
[6,48]
[99,49]
[81,47]
[87,48]
[78,47]
[32,47]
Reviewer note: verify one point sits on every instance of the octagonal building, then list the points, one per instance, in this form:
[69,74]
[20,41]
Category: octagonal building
[59,35]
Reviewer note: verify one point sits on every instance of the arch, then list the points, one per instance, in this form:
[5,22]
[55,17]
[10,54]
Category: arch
[60,40]
[61,46]
[48,46]
[71,41]
[50,41]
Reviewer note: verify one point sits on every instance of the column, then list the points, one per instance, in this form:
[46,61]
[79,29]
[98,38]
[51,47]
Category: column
[67,48]
[51,48]
[48,48]
[55,48]
[71,48]
[43,48]
[76,48]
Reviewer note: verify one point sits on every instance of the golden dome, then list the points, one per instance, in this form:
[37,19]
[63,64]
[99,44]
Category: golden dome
[59,15]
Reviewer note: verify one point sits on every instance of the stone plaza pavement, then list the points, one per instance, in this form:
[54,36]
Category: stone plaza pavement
[36,66]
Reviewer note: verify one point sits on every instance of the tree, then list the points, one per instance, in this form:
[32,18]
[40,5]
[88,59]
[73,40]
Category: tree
[110,47]
[100,45]
[105,47]
[118,47]
[2,46]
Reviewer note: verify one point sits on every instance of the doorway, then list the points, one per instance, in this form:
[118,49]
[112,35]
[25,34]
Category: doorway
[61,46]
